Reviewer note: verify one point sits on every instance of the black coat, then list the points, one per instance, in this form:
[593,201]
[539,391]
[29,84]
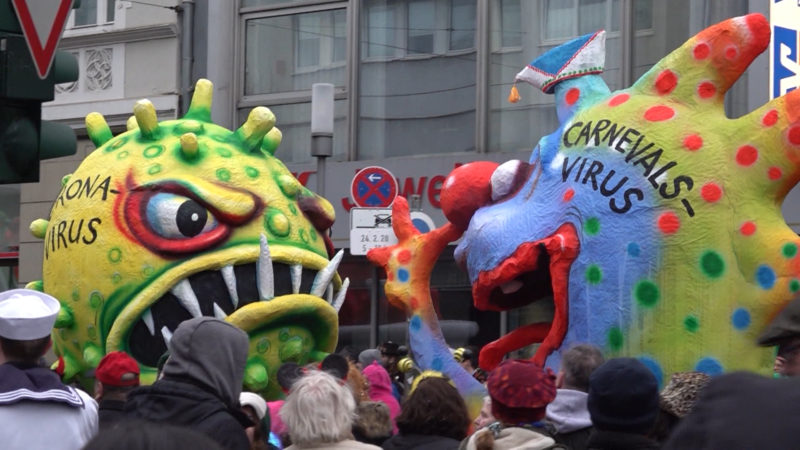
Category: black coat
[614,440]
[184,403]
[420,442]
[741,411]
[575,440]
[109,412]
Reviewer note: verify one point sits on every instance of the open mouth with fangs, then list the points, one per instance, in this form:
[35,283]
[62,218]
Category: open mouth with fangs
[256,287]
[535,271]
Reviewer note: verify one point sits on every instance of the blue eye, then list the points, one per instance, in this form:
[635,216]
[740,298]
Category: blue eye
[175,216]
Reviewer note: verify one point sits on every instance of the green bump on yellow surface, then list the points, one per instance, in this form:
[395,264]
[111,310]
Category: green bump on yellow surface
[39,228]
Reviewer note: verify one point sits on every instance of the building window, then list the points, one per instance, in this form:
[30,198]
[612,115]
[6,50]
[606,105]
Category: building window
[399,28]
[462,24]
[564,19]
[421,26]
[286,51]
[92,13]
[290,52]
[415,97]
[510,23]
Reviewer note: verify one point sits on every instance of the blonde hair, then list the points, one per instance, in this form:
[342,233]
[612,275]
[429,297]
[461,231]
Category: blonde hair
[318,410]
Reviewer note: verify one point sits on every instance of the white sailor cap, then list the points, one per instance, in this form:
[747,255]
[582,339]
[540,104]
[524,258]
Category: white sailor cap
[26,314]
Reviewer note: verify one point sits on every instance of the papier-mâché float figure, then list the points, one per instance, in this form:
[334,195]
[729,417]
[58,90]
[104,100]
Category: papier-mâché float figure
[182,218]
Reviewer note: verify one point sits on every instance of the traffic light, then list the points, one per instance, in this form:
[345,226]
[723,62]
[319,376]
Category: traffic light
[24,137]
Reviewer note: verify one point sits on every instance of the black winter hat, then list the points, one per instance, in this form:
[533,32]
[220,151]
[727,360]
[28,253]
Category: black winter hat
[623,396]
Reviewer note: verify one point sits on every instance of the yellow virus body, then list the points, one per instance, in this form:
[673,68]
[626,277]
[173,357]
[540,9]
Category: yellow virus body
[184,218]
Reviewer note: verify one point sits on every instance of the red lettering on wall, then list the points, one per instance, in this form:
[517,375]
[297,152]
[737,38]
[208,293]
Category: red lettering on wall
[408,187]
[434,190]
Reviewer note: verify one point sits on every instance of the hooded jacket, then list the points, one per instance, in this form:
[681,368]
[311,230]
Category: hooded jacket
[570,417]
[201,384]
[380,390]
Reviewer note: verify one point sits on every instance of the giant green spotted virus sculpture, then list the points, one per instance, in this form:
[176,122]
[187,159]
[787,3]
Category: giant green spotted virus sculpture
[650,220]
[183,218]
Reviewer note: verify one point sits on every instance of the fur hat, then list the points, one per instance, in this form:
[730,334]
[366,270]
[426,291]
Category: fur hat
[373,422]
[680,395]
[520,391]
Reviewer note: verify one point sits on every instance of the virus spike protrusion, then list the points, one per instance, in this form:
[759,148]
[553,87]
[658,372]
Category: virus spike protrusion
[36,285]
[146,118]
[131,124]
[200,108]
[39,228]
[71,367]
[92,355]
[776,133]
[272,140]
[258,123]
[65,318]
[716,58]
[189,147]
[98,129]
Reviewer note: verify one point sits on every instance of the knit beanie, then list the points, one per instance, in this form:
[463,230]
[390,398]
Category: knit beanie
[520,391]
[623,396]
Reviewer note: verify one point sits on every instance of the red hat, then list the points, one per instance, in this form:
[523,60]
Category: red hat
[520,391]
[117,369]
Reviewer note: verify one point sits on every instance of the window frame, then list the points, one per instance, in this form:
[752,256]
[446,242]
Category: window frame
[546,41]
[98,25]
[288,97]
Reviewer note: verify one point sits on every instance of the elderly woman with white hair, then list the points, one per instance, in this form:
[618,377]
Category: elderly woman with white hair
[319,413]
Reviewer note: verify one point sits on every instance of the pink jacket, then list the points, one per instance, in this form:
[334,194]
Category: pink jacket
[380,390]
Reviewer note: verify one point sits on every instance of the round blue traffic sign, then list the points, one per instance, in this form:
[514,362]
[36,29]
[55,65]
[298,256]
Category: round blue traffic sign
[373,187]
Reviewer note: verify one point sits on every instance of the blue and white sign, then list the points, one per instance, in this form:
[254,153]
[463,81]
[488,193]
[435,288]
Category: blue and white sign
[784,57]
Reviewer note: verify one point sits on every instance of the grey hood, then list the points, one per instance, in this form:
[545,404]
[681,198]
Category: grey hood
[212,353]
[568,412]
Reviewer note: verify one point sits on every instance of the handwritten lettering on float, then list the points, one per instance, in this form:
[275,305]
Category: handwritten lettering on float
[77,231]
[638,151]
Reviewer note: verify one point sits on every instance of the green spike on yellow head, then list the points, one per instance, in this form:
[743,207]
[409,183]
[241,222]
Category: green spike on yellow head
[272,140]
[98,129]
[189,147]
[39,228]
[200,108]
[145,114]
[36,285]
[258,123]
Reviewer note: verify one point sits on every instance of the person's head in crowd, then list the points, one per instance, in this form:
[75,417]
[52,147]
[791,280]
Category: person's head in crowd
[784,332]
[116,376]
[211,352]
[520,391]
[467,358]
[141,435]
[623,397]
[350,353]
[677,400]
[366,357]
[255,408]
[288,373]
[373,423]
[358,384]
[485,417]
[26,320]
[319,410]
[390,354]
[434,407]
[577,365]
[335,365]
[378,380]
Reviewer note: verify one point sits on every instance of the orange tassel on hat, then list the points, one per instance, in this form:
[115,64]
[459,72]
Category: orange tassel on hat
[513,96]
